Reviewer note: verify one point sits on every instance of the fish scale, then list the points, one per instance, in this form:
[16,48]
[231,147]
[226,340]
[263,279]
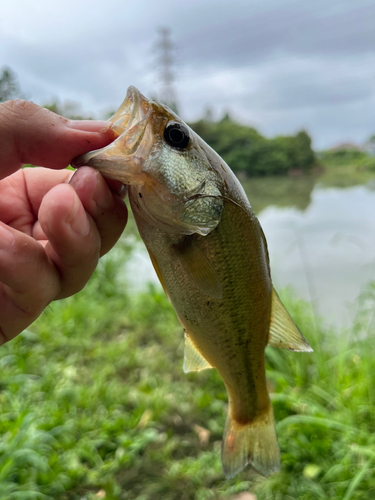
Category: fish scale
[211,257]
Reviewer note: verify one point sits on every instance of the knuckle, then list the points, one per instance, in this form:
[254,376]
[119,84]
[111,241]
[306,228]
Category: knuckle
[81,261]
[29,258]
[15,123]
[21,109]
[87,258]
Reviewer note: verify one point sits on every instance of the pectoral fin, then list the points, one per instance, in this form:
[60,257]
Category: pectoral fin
[193,360]
[158,272]
[199,268]
[283,331]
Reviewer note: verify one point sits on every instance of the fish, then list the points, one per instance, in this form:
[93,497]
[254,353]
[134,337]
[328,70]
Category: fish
[210,255]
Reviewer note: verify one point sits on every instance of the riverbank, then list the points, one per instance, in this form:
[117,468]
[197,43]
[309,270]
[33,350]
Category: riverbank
[95,405]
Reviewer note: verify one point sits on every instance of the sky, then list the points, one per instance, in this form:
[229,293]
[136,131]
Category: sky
[278,65]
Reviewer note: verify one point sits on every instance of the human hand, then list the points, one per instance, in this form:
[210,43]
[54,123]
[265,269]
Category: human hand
[53,225]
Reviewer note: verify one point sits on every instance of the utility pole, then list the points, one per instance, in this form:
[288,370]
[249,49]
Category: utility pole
[164,48]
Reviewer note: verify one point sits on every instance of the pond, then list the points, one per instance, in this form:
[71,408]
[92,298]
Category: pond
[321,241]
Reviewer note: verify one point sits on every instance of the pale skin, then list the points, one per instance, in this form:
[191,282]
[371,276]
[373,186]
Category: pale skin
[54,225]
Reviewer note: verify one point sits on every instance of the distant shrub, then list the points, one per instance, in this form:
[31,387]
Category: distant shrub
[369,163]
[343,156]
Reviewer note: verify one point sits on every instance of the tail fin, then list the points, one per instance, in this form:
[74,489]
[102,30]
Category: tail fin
[254,443]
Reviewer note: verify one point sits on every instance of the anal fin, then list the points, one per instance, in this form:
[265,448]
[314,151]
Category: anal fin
[193,360]
[284,333]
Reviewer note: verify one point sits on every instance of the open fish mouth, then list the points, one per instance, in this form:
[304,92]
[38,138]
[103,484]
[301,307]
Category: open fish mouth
[121,159]
[131,112]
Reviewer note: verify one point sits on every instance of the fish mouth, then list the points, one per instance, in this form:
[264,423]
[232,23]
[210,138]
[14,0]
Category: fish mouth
[122,159]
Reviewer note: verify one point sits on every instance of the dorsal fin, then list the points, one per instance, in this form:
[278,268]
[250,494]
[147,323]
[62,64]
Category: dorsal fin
[283,331]
[193,360]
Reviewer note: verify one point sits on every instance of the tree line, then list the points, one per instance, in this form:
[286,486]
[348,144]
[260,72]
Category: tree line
[247,151]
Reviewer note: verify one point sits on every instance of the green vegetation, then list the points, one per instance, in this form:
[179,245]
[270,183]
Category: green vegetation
[353,157]
[249,154]
[346,167]
[245,150]
[94,404]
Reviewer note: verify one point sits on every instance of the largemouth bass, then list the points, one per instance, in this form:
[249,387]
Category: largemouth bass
[210,254]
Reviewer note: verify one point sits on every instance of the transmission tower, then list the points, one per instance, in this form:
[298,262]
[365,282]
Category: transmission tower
[164,48]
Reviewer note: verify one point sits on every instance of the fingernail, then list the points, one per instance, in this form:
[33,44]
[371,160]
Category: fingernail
[78,219]
[105,129]
[6,237]
[90,125]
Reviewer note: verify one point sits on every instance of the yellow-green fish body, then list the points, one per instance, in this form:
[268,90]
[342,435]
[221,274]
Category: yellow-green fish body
[211,257]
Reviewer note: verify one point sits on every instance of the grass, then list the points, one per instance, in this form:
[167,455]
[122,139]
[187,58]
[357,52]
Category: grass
[94,404]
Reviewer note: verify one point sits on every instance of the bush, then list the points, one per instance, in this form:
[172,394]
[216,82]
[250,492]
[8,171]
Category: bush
[343,157]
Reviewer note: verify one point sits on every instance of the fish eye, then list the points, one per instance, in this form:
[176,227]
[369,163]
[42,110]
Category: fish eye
[177,135]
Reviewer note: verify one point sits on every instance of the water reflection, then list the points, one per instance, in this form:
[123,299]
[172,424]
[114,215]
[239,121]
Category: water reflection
[327,252]
[279,191]
[321,240]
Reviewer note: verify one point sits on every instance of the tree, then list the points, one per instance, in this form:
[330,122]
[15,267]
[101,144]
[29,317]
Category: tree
[305,157]
[9,88]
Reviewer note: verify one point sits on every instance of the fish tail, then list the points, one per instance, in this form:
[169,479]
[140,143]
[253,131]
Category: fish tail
[252,443]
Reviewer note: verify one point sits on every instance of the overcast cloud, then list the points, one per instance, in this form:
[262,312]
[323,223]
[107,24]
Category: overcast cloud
[277,65]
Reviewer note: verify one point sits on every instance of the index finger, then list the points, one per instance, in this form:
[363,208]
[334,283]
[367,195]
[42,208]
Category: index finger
[32,134]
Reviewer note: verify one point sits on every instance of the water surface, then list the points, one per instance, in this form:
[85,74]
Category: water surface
[326,252]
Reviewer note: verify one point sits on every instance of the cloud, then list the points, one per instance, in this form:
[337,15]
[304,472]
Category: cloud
[280,65]
[253,36]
